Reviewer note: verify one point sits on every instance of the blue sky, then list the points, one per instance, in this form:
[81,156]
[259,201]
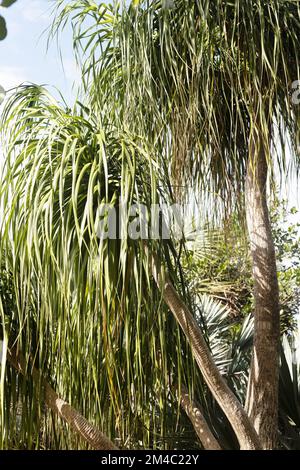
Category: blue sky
[23,54]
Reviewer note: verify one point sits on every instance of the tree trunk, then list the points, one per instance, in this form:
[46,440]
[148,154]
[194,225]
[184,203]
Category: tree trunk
[198,421]
[262,393]
[96,439]
[245,432]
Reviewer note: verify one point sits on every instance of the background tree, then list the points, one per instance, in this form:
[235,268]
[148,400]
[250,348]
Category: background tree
[3,34]
[3,30]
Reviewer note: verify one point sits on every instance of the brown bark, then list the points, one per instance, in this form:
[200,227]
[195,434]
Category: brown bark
[195,415]
[245,432]
[95,438]
[262,394]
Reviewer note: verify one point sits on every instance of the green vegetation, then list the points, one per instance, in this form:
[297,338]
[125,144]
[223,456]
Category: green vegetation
[3,30]
[135,333]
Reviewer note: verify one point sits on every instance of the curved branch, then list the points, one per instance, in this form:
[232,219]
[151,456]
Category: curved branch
[238,418]
[76,421]
[198,421]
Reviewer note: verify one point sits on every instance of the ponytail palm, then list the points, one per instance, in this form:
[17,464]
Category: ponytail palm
[209,85]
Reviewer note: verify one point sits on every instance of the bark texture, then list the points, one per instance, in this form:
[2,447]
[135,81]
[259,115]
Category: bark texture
[243,428]
[95,438]
[195,415]
[262,394]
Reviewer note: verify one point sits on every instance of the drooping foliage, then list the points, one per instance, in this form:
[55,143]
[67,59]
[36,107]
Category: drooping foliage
[169,95]
[194,77]
[85,310]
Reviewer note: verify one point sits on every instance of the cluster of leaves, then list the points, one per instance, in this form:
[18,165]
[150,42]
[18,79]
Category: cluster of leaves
[218,270]
[287,243]
[221,265]
[222,268]
[94,303]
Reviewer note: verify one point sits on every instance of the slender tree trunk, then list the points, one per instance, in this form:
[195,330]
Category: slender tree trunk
[95,438]
[195,415]
[262,394]
[243,428]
